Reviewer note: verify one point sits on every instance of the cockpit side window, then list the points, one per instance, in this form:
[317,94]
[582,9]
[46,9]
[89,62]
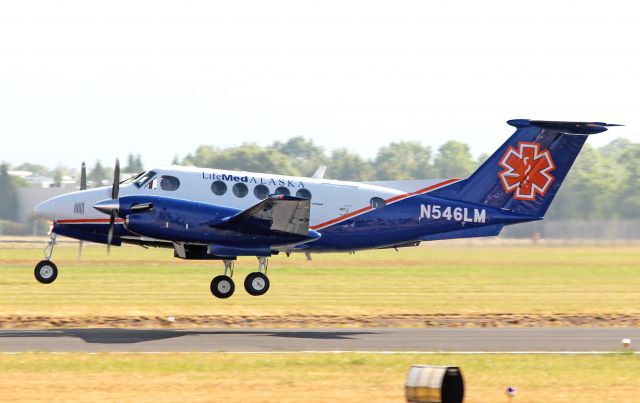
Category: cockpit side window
[170,183]
[144,179]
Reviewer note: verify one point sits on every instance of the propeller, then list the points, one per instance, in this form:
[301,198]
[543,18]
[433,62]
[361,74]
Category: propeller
[83,176]
[83,186]
[111,206]
[115,190]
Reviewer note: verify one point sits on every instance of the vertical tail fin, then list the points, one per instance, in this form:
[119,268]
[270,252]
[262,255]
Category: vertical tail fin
[525,173]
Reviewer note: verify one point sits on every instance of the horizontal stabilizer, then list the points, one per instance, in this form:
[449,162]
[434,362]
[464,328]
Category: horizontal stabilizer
[564,127]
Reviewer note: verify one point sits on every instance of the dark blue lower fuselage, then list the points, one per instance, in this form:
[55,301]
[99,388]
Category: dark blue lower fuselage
[413,219]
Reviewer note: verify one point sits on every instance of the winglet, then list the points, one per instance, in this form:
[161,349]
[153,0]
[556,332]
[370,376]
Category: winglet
[319,173]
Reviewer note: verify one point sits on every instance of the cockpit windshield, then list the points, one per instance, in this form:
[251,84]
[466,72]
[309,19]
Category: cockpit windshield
[143,178]
[132,178]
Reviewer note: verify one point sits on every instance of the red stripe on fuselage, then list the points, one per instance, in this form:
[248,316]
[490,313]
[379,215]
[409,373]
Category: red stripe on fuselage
[388,201]
[88,221]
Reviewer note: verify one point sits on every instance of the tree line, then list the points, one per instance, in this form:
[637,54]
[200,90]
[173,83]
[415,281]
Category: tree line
[603,184]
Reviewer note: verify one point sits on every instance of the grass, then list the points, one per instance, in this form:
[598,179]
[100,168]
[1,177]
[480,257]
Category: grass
[133,281]
[439,278]
[424,280]
[308,377]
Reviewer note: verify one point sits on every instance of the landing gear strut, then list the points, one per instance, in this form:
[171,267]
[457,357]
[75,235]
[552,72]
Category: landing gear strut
[222,286]
[46,271]
[257,283]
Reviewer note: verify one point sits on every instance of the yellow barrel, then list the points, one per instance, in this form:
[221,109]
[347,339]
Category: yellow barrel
[434,384]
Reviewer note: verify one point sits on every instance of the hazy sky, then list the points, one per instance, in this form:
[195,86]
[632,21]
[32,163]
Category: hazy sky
[82,80]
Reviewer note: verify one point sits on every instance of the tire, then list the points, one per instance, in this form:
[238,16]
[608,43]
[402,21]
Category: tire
[46,272]
[222,287]
[256,284]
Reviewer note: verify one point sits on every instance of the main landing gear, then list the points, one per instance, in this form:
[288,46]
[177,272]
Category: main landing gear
[46,271]
[256,283]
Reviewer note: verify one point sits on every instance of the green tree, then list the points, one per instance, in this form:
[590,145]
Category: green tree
[134,164]
[481,159]
[8,195]
[98,174]
[588,188]
[202,157]
[454,160]
[404,160]
[348,166]
[58,173]
[303,154]
[247,157]
[629,192]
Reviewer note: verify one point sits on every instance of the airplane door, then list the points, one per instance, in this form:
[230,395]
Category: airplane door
[338,200]
[318,208]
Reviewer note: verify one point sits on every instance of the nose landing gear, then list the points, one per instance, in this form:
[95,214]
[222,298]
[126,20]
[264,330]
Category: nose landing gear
[46,271]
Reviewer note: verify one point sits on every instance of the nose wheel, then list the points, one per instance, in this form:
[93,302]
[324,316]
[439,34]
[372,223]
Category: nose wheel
[46,272]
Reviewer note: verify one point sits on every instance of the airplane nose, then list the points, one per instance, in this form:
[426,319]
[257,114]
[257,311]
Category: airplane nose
[44,210]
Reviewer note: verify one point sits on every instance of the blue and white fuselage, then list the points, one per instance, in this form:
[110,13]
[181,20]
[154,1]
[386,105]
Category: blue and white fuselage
[347,216]
[207,213]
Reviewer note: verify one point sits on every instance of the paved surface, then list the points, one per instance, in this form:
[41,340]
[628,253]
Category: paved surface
[152,340]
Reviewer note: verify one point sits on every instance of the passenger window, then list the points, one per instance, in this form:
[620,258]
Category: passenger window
[283,191]
[219,188]
[377,202]
[169,183]
[304,193]
[261,192]
[240,190]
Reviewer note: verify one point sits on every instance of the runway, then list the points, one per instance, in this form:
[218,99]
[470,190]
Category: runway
[291,340]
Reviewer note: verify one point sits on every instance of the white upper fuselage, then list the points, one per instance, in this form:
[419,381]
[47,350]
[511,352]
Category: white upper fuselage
[330,199]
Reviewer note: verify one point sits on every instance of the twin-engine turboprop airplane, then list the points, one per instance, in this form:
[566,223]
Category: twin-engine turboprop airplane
[220,215]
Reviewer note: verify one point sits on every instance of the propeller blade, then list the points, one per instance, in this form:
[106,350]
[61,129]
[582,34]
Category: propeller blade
[115,189]
[83,176]
[83,186]
[112,225]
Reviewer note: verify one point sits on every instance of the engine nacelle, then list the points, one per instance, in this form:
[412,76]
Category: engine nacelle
[178,220]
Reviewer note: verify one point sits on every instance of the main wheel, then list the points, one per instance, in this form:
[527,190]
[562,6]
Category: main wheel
[256,283]
[46,272]
[222,286]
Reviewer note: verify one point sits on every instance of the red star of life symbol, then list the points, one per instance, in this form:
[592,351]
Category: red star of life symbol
[527,171]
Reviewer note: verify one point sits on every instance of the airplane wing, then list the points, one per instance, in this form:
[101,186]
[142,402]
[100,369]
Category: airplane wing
[285,214]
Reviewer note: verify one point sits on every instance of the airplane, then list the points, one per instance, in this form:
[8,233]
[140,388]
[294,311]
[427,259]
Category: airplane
[215,214]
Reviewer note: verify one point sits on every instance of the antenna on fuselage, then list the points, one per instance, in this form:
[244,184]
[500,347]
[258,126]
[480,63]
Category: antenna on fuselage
[319,173]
